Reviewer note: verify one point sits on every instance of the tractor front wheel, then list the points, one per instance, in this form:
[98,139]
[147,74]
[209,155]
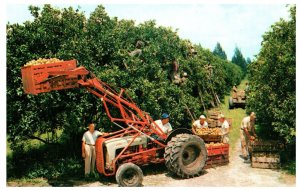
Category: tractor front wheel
[129,175]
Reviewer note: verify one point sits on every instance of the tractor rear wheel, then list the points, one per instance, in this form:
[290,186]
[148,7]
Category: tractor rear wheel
[185,155]
[129,175]
[167,155]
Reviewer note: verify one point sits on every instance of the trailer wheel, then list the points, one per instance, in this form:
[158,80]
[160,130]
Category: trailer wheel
[186,155]
[129,175]
[230,103]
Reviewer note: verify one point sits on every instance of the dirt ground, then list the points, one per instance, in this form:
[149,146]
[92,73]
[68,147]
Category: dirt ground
[236,173]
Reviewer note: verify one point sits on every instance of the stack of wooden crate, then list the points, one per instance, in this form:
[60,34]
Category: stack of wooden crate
[212,119]
[218,155]
[265,154]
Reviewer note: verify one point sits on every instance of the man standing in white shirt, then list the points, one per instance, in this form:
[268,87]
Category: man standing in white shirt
[164,124]
[224,128]
[88,148]
[247,133]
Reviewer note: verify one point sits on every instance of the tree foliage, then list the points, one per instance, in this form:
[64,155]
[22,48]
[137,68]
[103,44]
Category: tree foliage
[218,51]
[239,60]
[102,44]
[273,80]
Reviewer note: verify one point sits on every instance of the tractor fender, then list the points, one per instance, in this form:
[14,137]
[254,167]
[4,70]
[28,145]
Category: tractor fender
[176,132]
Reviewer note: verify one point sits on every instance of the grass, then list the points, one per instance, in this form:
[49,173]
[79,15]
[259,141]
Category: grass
[47,161]
[8,149]
[31,143]
[236,115]
[290,167]
[27,182]
[35,161]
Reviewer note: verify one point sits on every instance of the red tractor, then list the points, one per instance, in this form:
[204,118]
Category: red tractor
[138,142]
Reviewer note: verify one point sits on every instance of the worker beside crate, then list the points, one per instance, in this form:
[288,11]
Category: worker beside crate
[224,128]
[200,123]
[247,133]
[215,136]
[260,153]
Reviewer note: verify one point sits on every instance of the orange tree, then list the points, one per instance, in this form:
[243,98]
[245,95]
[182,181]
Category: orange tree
[273,82]
[102,44]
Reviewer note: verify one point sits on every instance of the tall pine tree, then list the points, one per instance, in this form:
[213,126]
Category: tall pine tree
[248,60]
[239,59]
[218,51]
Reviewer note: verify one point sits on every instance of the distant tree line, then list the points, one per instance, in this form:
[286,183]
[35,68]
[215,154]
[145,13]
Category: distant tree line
[237,58]
[272,77]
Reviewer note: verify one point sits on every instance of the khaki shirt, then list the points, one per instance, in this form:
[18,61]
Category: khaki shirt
[90,138]
[247,124]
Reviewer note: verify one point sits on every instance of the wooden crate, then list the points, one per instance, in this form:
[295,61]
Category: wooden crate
[213,123]
[222,149]
[210,134]
[211,138]
[216,160]
[218,155]
[265,165]
[213,114]
[265,146]
[265,160]
[33,77]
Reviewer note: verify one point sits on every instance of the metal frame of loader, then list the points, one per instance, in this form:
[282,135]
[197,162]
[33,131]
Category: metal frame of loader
[133,121]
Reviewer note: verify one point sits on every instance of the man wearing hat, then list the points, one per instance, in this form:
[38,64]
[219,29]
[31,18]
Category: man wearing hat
[200,123]
[88,148]
[164,124]
[247,133]
[224,128]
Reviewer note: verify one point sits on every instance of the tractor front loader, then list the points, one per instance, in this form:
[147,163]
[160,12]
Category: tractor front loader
[121,153]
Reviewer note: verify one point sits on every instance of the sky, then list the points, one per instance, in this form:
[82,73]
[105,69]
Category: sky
[232,25]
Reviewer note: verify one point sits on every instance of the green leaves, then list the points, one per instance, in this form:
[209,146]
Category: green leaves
[272,79]
[102,44]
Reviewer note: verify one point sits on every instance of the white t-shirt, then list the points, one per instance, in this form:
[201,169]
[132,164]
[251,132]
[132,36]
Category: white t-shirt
[90,138]
[197,124]
[166,128]
[224,126]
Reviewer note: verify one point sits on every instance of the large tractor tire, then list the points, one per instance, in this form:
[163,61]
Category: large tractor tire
[185,155]
[129,175]
[167,155]
[230,103]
